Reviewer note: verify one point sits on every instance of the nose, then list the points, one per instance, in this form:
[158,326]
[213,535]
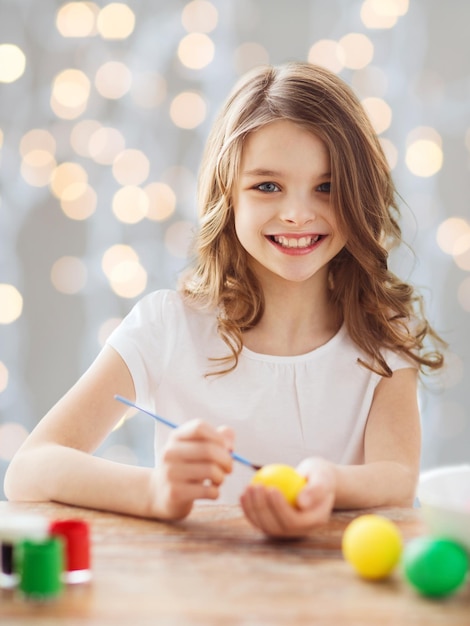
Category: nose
[298,210]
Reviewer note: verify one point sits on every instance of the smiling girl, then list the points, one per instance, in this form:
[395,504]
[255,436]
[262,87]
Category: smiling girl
[289,337]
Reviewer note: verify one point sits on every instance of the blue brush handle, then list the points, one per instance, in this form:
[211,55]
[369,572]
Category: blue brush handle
[234,455]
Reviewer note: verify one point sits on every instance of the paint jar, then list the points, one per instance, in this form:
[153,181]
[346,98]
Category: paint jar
[40,565]
[76,536]
[13,530]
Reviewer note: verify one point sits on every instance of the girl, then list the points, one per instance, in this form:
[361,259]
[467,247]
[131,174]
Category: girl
[288,338]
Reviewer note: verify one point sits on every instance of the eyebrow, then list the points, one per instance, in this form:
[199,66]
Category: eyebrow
[264,172]
[261,172]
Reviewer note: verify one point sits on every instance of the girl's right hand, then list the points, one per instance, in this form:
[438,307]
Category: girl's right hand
[193,465]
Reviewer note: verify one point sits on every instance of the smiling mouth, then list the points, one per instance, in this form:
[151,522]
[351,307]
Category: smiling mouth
[295,242]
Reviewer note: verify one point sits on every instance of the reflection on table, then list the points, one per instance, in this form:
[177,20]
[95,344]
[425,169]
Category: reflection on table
[215,569]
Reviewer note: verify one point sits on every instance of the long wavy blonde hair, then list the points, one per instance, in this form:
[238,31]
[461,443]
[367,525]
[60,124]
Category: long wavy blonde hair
[375,305]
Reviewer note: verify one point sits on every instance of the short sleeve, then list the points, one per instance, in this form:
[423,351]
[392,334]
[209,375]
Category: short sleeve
[398,361]
[141,340]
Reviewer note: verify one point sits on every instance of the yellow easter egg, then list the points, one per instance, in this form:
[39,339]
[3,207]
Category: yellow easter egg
[372,544]
[283,477]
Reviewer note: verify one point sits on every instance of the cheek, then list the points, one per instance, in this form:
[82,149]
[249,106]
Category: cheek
[246,232]
[242,232]
[250,221]
[243,219]
[335,223]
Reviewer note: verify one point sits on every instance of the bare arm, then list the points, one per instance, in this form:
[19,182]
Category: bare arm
[56,462]
[388,476]
[392,448]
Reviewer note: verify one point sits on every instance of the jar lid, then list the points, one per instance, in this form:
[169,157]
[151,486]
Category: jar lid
[14,528]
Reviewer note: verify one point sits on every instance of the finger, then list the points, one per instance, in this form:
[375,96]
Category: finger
[250,508]
[180,494]
[318,472]
[272,514]
[198,430]
[195,472]
[215,442]
[311,497]
[199,451]
[295,521]
[228,435]
[262,505]
[283,518]
[319,488]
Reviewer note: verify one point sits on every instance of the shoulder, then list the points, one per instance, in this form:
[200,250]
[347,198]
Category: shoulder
[398,360]
[168,307]
[157,305]
[407,329]
[150,312]
[395,359]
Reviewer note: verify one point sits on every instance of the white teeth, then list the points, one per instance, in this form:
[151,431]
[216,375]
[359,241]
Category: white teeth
[303,242]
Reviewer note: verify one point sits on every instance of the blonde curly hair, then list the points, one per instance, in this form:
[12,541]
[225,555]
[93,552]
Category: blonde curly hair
[379,310]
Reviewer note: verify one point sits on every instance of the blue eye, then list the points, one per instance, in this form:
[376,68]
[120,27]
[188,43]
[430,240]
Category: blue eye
[268,187]
[324,187]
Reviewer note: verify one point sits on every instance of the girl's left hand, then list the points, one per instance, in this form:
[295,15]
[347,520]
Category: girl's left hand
[267,509]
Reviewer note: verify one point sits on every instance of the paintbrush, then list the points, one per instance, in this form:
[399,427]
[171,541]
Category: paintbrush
[162,420]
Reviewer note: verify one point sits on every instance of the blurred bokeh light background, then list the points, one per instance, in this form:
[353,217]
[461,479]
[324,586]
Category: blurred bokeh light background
[104,109]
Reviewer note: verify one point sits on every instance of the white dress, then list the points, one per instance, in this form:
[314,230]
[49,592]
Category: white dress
[283,409]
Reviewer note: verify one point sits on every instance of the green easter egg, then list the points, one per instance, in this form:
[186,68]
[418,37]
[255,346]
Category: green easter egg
[435,566]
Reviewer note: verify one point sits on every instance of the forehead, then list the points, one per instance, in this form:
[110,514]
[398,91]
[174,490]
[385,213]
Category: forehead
[283,142]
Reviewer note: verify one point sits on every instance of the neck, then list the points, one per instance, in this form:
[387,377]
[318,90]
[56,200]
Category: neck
[298,318]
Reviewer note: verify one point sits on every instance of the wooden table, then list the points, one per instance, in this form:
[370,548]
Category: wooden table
[214,569]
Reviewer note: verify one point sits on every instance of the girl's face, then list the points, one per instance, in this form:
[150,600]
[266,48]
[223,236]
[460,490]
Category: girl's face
[283,215]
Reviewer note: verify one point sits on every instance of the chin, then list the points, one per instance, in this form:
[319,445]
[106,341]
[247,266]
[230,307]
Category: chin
[297,278]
